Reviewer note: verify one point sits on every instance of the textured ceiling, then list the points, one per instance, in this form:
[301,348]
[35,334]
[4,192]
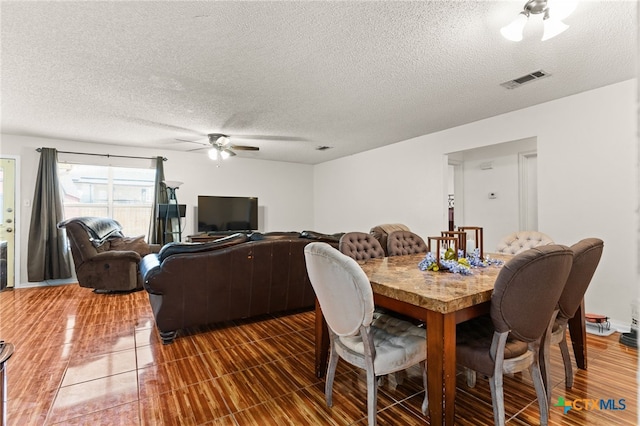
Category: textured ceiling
[292,76]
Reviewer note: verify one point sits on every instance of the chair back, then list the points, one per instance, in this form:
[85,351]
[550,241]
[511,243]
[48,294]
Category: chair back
[517,242]
[401,243]
[360,246]
[527,291]
[342,288]
[381,233]
[586,256]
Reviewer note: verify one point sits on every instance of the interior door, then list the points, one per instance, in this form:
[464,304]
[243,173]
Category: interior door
[7,222]
[528,168]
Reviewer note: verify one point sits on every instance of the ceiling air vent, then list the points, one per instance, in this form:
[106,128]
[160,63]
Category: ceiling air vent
[517,82]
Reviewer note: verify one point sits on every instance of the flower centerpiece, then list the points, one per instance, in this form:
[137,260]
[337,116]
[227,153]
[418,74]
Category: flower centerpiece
[456,264]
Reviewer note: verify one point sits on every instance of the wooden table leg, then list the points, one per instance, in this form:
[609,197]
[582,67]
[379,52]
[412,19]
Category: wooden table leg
[322,342]
[441,367]
[578,333]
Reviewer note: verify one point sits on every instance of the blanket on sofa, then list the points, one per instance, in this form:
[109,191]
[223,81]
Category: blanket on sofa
[100,229]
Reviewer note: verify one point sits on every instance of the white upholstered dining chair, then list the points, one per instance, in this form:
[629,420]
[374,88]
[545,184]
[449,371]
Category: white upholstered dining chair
[378,343]
[520,241]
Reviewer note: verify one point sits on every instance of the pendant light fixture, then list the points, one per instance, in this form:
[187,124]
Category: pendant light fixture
[554,12]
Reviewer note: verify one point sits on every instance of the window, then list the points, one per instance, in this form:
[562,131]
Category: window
[122,193]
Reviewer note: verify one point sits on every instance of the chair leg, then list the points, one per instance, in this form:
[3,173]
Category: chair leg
[497,399]
[331,374]
[544,366]
[471,377]
[541,392]
[542,349]
[425,403]
[372,397]
[568,367]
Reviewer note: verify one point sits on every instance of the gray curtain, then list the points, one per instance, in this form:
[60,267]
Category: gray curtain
[48,250]
[160,197]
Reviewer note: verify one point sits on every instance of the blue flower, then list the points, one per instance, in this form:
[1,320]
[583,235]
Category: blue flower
[461,266]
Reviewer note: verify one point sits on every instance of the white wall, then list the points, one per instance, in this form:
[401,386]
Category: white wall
[284,190]
[587,187]
[499,216]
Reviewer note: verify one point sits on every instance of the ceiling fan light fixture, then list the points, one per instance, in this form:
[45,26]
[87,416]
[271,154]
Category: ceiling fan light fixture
[213,153]
[514,30]
[223,140]
[224,154]
[552,26]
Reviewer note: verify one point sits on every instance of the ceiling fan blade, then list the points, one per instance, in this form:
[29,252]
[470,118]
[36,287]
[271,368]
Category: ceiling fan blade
[199,149]
[245,148]
[228,151]
[188,140]
[201,142]
[269,138]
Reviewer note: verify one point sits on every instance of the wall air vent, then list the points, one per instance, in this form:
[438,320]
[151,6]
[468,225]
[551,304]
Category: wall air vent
[323,148]
[517,82]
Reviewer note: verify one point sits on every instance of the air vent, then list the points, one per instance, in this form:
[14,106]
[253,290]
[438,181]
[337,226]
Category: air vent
[323,148]
[517,82]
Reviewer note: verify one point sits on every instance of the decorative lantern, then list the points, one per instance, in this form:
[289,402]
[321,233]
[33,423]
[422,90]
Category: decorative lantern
[460,236]
[474,239]
[440,245]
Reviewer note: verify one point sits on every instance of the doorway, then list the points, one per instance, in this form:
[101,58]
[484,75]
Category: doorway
[528,182]
[455,193]
[7,222]
[495,186]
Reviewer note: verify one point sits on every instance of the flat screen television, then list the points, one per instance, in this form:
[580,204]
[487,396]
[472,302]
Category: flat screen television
[218,214]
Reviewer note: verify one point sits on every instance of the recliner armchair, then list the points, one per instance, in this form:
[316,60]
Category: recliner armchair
[104,258]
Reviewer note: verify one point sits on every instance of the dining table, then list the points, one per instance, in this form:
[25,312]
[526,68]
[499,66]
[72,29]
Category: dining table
[442,300]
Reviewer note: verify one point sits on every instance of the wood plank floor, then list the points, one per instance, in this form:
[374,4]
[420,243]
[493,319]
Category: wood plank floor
[88,359]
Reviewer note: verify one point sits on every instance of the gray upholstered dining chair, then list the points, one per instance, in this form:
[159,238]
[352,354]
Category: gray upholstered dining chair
[360,246]
[586,257]
[381,233]
[517,242]
[378,343]
[401,243]
[523,309]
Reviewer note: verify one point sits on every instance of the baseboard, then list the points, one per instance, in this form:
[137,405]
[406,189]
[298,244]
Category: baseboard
[602,330]
[621,327]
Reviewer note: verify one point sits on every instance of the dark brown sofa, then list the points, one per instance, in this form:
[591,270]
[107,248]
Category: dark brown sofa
[238,276]
[104,259]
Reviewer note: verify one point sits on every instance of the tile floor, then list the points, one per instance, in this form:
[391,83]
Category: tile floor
[88,359]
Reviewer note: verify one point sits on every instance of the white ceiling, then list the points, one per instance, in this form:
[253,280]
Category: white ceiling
[294,75]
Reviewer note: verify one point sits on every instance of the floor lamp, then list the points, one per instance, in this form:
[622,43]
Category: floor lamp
[173,209]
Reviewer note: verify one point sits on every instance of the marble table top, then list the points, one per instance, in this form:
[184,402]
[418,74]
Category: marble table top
[399,277]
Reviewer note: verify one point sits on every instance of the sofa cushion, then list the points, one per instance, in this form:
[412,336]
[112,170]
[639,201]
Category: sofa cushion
[179,248]
[318,236]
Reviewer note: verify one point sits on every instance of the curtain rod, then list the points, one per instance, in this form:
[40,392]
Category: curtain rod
[106,155]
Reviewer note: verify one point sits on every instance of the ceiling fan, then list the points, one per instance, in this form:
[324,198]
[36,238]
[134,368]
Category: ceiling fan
[222,148]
